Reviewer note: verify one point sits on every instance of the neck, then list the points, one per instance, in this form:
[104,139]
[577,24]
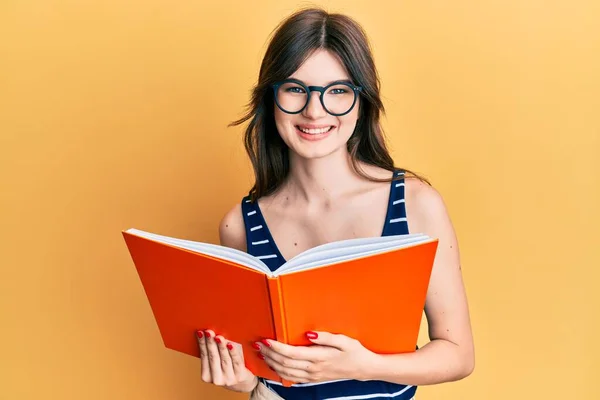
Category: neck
[320,180]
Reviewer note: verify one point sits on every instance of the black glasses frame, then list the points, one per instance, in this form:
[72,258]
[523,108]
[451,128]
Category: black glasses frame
[356,90]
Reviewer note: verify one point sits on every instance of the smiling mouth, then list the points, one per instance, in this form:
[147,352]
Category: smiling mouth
[315,131]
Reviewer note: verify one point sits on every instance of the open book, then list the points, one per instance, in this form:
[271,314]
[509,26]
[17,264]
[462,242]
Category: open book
[371,289]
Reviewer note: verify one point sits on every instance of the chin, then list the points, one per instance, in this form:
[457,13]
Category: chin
[318,151]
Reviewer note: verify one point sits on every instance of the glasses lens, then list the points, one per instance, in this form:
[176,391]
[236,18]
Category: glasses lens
[291,97]
[338,98]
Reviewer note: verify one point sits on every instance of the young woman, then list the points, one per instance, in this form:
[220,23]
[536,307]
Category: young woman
[323,173]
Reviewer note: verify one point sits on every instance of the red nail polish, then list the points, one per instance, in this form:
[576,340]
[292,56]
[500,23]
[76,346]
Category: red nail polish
[207,333]
[261,356]
[256,346]
[218,340]
[312,335]
[200,334]
[229,346]
[264,341]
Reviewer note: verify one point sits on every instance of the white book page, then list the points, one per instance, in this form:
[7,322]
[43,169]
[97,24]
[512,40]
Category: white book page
[353,242]
[349,247]
[334,255]
[222,252]
[330,261]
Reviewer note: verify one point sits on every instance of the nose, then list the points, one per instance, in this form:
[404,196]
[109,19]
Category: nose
[314,109]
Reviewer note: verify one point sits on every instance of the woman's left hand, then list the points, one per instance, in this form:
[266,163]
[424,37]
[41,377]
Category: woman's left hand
[331,357]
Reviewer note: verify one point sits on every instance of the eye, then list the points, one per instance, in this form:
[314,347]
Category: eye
[338,91]
[295,89]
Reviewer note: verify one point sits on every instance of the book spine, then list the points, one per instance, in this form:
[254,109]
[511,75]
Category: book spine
[276,295]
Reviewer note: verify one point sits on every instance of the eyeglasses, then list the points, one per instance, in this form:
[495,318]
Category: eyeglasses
[337,98]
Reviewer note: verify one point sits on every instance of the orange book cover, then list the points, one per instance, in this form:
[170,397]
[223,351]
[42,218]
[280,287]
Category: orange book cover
[370,289]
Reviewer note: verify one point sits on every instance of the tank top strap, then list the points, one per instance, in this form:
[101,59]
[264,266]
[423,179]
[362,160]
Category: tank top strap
[259,241]
[396,222]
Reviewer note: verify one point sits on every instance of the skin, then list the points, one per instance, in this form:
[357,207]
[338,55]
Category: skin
[313,207]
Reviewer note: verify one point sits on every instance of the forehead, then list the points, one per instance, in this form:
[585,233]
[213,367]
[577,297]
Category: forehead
[320,68]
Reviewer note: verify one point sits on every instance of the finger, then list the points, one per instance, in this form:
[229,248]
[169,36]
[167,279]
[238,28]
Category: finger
[291,375]
[337,341]
[294,380]
[226,363]
[206,376]
[214,359]
[286,362]
[237,358]
[307,353]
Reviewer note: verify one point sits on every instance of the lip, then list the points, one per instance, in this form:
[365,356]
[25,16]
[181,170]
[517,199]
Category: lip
[314,137]
[313,126]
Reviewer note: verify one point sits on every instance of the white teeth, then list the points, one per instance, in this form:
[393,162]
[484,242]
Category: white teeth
[315,131]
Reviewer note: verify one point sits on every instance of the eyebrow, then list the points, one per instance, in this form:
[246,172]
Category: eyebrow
[328,83]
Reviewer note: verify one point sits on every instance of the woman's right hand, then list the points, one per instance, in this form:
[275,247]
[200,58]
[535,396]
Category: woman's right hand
[223,363]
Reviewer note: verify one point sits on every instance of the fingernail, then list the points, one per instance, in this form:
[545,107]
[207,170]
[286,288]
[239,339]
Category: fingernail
[261,356]
[256,346]
[264,341]
[207,333]
[217,340]
[311,335]
[229,346]
[200,334]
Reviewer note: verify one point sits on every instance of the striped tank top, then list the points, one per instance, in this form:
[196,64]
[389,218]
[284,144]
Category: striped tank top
[259,243]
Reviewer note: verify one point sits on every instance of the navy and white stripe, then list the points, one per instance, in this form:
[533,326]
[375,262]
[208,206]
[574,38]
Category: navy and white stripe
[260,243]
[396,221]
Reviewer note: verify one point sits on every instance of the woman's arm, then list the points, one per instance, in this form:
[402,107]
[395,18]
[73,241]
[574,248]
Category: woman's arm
[449,356]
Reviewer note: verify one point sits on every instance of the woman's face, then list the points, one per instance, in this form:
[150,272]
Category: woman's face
[314,133]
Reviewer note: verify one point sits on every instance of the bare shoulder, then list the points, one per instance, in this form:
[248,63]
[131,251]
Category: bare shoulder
[232,232]
[446,306]
[425,208]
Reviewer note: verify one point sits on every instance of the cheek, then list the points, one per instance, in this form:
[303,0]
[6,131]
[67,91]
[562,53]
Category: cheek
[281,119]
[348,122]
[282,123]
[356,110]
[348,127]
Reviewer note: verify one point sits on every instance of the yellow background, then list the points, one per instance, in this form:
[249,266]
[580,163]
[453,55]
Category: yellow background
[113,115]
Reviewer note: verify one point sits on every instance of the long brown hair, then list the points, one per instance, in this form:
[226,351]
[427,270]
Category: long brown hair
[294,40]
